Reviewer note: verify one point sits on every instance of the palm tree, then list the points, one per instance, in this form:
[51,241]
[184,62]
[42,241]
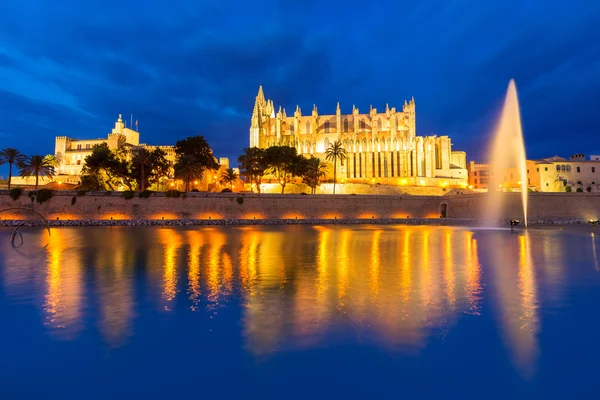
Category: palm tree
[11,156]
[229,177]
[37,166]
[53,161]
[188,168]
[333,152]
[315,171]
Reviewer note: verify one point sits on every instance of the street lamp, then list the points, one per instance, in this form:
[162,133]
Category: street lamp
[593,222]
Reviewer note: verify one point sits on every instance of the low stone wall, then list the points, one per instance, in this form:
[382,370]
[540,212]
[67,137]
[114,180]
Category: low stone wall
[543,208]
[359,188]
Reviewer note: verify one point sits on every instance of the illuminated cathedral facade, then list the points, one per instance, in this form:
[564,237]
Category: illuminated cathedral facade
[381,147]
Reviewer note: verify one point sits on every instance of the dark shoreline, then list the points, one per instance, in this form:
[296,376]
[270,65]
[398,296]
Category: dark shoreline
[251,222]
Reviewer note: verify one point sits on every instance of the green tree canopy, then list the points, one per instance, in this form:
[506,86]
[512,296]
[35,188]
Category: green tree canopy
[147,166]
[103,169]
[283,163]
[37,166]
[314,171]
[253,165]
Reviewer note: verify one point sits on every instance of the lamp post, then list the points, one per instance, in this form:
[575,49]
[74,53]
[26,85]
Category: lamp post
[593,223]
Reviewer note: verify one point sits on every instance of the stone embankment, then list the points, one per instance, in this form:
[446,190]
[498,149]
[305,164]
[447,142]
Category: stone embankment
[250,222]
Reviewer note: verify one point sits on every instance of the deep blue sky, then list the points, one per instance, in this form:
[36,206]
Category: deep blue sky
[193,67]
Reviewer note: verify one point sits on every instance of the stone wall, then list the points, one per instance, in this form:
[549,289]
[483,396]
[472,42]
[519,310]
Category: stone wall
[68,206]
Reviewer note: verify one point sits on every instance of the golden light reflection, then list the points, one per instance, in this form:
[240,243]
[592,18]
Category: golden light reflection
[114,270]
[215,255]
[449,267]
[64,290]
[473,274]
[196,242]
[594,252]
[344,266]
[375,265]
[171,241]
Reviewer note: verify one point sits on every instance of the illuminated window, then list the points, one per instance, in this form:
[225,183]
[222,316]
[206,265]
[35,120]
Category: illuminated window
[327,127]
[345,125]
[568,168]
[363,124]
[379,124]
[326,143]
[307,126]
[78,147]
[558,168]
[87,146]
[292,129]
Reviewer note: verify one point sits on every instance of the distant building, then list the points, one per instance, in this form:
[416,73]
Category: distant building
[71,154]
[381,146]
[479,175]
[553,174]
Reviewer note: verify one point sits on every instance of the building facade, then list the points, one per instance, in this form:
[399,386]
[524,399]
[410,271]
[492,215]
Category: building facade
[381,146]
[554,174]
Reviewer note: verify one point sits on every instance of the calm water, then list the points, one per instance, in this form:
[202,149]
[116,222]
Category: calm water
[299,312]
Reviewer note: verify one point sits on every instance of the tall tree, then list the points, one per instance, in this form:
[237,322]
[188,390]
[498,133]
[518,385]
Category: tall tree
[314,171]
[52,161]
[11,157]
[283,162]
[147,166]
[187,169]
[253,165]
[334,152]
[37,166]
[104,168]
[229,177]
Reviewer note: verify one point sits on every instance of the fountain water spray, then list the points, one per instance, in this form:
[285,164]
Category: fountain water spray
[507,152]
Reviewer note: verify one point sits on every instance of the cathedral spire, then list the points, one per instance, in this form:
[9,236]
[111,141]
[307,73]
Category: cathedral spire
[338,110]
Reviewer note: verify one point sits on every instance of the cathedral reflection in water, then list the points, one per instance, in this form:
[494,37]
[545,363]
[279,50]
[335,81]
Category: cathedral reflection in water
[297,286]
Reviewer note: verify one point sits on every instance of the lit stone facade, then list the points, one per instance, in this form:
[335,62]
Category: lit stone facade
[381,146]
[556,174]
[71,153]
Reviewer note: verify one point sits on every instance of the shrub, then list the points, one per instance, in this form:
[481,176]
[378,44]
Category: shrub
[226,190]
[579,190]
[195,190]
[568,189]
[173,193]
[81,192]
[588,189]
[145,194]
[303,194]
[15,193]
[44,195]
[240,200]
[128,194]
[73,200]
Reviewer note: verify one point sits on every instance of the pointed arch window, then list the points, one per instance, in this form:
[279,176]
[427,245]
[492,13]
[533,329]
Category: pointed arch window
[379,124]
[307,126]
[327,126]
[363,124]
[292,129]
[326,143]
[345,125]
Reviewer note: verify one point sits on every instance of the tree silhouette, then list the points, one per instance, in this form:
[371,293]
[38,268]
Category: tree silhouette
[334,152]
[229,177]
[11,157]
[37,166]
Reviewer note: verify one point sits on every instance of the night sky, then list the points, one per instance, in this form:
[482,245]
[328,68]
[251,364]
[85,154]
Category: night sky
[193,67]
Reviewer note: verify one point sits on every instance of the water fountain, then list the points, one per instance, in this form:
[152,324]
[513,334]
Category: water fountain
[507,152]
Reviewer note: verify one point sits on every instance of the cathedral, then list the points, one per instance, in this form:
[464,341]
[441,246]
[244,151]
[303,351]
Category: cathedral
[381,147]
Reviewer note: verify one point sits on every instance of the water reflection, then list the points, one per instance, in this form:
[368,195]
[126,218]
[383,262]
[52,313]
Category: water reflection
[64,286]
[303,287]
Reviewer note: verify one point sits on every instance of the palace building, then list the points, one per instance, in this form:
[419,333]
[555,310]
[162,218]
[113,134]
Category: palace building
[381,146]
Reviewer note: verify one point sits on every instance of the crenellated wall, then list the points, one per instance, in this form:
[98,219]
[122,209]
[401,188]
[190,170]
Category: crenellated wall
[555,206]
